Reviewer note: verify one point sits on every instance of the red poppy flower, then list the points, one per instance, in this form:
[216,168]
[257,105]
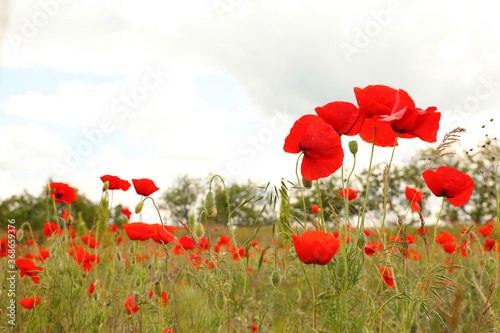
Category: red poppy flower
[130,305]
[423,232]
[351,194]
[127,212]
[113,228]
[387,276]
[410,239]
[323,154]
[116,183]
[392,111]
[367,233]
[144,186]
[30,303]
[168,330]
[487,230]
[163,233]
[51,229]
[91,242]
[315,208]
[371,248]
[445,237]
[489,244]
[139,231]
[205,244]
[186,242]
[450,183]
[449,247]
[224,240]
[414,196]
[315,247]
[344,117]
[62,193]
[91,288]
[28,268]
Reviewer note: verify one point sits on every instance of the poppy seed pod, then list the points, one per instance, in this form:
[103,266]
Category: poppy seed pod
[209,202]
[353,147]
[105,186]
[138,207]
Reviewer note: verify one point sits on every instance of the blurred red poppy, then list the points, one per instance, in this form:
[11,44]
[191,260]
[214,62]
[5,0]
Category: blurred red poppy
[387,276]
[315,247]
[91,242]
[116,183]
[450,183]
[130,305]
[61,192]
[414,196]
[30,303]
[28,268]
[144,186]
[351,194]
[487,230]
[51,229]
[371,248]
[323,153]
[449,247]
[392,111]
[344,117]
[315,208]
[445,237]
[489,244]
[127,212]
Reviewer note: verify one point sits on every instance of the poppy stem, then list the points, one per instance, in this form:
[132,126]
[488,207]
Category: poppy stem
[323,225]
[300,187]
[314,295]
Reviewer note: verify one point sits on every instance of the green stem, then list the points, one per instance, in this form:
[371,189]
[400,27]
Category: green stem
[323,225]
[300,187]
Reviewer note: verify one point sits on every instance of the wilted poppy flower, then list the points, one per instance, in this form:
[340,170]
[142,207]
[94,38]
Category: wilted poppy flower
[30,303]
[116,183]
[450,183]
[351,194]
[144,186]
[127,212]
[414,196]
[392,111]
[344,117]
[28,267]
[51,229]
[323,153]
[139,231]
[387,276]
[315,247]
[62,193]
[130,305]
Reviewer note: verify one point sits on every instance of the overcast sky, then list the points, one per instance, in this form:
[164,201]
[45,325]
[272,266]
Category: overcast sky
[160,88]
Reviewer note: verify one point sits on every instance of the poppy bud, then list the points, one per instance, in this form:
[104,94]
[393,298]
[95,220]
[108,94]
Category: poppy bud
[95,295]
[362,241]
[199,231]
[158,289]
[105,186]
[275,279]
[306,183]
[353,147]
[20,234]
[213,213]
[209,202]
[220,300]
[138,281]
[138,207]
[341,266]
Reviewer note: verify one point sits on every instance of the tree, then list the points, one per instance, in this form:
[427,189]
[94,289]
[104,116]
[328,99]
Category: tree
[180,199]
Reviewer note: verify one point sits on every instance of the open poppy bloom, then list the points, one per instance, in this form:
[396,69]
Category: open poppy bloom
[61,192]
[130,306]
[315,247]
[351,194]
[489,244]
[344,117]
[51,229]
[139,230]
[445,237]
[28,267]
[414,196]
[450,183]
[371,248]
[392,111]
[144,186]
[30,303]
[387,276]
[323,153]
[315,208]
[449,247]
[90,241]
[126,212]
[116,183]
[487,230]
[163,233]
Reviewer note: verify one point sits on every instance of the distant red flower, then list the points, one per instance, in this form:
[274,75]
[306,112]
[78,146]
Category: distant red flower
[164,296]
[410,239]
[344,117]
[371,248]
[205,244]
[323,154]
[130,305]
[392,111]
[28,268]
[489,244]
[414,196]
[351,194]
[186,242]
[450,183]
[449,247]
[387,276]
[254,327]
[367,233]
[168,330]
[139,230]
[487,230]
[423,232]
[30,303]
[113,228]
[91,242]
[116,183]
[445,237]
[91,288]
[315,247]
[62,192]
[127,212]
[144,186]
[315,208]
[51,229]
